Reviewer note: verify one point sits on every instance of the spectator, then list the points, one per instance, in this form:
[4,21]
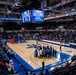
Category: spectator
[1,65]
[41,73]
[11,66]
[10,53]
[68,64]
[47,72]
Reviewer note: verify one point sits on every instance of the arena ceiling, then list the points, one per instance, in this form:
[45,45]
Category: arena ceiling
[61,9]
[14,8]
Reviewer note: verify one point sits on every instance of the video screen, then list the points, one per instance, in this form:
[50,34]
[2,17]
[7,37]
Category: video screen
[26,16]
[37,15]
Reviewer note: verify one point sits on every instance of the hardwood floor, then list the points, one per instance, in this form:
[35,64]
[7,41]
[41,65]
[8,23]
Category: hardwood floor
[28,53]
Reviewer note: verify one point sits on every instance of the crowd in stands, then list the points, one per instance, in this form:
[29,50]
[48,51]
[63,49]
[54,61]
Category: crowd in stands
[51,25]
[7,58]
[6,65]
[49,31]
[56,35]
[68,36]
[68,69]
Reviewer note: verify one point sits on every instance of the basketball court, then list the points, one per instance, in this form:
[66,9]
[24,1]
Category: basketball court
[27,53]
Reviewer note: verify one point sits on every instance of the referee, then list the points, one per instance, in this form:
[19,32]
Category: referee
[43,64]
